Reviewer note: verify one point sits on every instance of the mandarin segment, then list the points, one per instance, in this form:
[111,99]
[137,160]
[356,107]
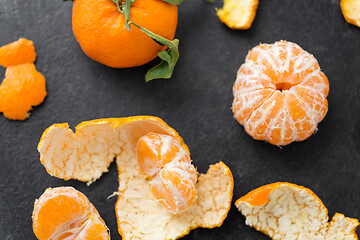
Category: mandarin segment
[280,93]
[155,150]
[238,14]
[162,158]
[23,86]
[65,213]
[289,212]
[351,11]
[174,187]
[139,214]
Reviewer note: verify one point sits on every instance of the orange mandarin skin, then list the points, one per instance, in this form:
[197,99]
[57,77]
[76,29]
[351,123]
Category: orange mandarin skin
[100,29]
[23,86]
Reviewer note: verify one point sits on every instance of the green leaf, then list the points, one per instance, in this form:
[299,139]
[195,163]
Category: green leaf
[169,57]
[174,2]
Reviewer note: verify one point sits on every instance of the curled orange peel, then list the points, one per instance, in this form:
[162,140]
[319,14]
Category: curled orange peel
[23,86]
[351,11]
[86,154]
[238,14]
[65,213]
[287,211]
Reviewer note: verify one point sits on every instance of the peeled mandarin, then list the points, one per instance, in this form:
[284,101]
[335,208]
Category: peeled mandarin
[280,93]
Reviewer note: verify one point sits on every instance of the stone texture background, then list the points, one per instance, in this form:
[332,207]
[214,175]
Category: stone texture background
[196,102]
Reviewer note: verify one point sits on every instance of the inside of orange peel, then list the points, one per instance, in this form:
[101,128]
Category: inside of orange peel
[87,153]
[65,213]
[351,11]
[23,86]
[288,211]
[238,14]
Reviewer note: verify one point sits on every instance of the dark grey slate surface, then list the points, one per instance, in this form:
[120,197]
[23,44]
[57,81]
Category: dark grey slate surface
[196,102]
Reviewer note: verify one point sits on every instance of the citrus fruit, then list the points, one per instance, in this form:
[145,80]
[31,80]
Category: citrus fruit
[289,212]
[162,159]
[280,93]
[100,29]
[238,14]
[351,11]
[23,86]
[87,153]
[65,213]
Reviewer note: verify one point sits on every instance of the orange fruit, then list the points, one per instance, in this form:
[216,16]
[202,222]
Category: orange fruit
[238,14]
[351,11]
[23,86]
[280,93]
[287,211]
[162,158]
[65,213]
[87,153]
[100,30]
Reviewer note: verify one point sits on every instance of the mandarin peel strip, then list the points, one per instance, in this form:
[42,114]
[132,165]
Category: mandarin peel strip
[287,211]
[23,86]
[351,11]
[238,14]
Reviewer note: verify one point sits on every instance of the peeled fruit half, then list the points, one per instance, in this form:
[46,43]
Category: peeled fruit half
[351,11]
[64,213]
[238,14]
[289,212]
[87,153]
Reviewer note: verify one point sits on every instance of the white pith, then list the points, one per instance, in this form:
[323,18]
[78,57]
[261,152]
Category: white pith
[293,214]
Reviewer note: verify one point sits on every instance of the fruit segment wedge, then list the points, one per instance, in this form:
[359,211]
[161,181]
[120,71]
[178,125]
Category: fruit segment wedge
[87,153]
[289,212]
[167,166]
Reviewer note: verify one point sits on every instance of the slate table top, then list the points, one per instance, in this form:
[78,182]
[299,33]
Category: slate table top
[196,102]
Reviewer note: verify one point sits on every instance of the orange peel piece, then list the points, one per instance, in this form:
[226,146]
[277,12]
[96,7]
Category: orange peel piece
[87,153]
[18,52]
[23,86]
[288,211]
[65,213]
[351,11]
[238,14]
